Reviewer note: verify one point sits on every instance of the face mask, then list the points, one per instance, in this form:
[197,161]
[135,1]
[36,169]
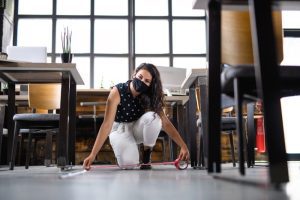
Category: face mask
[139,85]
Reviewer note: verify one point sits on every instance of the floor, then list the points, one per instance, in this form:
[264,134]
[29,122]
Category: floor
[162,182]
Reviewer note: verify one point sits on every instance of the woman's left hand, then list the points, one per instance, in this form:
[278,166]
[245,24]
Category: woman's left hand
[184,154]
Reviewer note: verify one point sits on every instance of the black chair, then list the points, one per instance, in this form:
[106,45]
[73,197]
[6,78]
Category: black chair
[244,76]
[47,98]
[95,117]
[237,77]
[228,126]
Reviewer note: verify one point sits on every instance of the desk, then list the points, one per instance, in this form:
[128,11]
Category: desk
[196,78]
[92,95]
[266,73]
[23,73]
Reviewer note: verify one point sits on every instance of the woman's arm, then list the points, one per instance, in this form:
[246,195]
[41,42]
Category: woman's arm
[110,112]
[168,127]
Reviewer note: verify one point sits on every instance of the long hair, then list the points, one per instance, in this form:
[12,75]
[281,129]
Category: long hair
[153,99]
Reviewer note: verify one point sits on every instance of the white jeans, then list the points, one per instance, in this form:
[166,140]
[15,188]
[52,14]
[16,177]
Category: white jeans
[124,137]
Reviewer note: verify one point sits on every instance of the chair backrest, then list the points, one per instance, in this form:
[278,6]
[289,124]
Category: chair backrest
[236,40]
[40,96]
[44,96]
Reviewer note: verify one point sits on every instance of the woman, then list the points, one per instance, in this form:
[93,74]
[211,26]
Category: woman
[134,115]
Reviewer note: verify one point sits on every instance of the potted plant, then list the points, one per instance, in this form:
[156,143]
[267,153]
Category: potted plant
[66,41]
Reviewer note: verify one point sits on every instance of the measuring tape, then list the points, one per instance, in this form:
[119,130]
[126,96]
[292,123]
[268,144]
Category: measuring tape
[179,164]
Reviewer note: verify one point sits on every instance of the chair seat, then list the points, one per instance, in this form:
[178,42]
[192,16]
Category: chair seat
[36,117]
[228,123]
[289,77]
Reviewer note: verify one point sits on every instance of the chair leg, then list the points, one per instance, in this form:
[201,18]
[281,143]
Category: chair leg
[164,149]
[20,143]
[48,152]
[201,152]
[14,146]
[239,112]
[170,149]
[251,135]
[2,115]
[230,135]
[28,152]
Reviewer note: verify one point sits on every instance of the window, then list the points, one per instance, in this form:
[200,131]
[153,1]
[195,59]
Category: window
[110,38]
[189,37]
[111,7]
[35,32]
[151,36]
[73,7]
[40,7]
[290,105]
[110,71]
[80,34]
[150,8]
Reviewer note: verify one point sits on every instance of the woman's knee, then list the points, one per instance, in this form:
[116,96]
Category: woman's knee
[151,118]
[127,155]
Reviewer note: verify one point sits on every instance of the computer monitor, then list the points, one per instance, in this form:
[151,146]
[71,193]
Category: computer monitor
[172,78]
[27,54]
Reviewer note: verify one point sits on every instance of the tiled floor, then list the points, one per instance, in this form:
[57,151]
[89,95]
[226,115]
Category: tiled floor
[163,182]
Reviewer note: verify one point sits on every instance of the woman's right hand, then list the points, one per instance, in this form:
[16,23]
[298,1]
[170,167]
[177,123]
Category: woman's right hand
[88,162]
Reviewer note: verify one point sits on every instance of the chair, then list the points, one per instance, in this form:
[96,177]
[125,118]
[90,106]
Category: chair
[228,126]
[33,54]
[238,78]
[237,53]
[97,118]
[40,97]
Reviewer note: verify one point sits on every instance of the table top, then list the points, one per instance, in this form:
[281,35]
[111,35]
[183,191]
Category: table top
[193,75]
[94,92]
[181,100]
[243,4]
[27,72]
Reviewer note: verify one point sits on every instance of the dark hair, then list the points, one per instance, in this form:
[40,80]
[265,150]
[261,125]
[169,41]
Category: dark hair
[153,99]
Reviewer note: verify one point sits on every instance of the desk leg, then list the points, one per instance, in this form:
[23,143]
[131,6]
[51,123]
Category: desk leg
[72,123]
[181,116]
[62,138]
[173,145]
[204,122]
[267,80]
[214,86]
[2,115]
[192,123]
[11,110]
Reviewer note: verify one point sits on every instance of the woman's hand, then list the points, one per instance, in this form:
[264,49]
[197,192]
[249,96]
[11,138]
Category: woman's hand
[184,154]
[88,162]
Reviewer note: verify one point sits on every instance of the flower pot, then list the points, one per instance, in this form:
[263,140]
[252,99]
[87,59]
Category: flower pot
[66,57]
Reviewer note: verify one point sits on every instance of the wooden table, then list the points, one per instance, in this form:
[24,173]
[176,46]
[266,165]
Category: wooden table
[23,73]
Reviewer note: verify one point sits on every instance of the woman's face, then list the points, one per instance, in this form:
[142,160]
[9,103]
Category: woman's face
[144,76]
